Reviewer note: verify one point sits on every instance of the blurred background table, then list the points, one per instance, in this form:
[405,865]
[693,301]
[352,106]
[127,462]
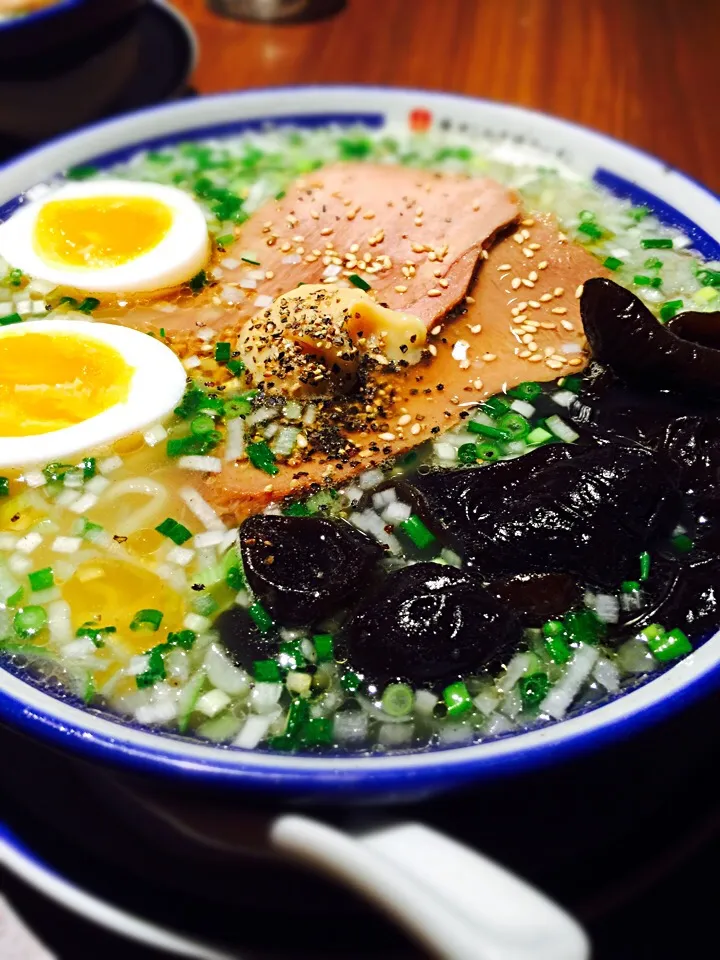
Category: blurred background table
[641,70]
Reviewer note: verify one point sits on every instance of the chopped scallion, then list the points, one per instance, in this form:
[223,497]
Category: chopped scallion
[398,699]
[457,699]
[324,647]
[29,621]
[612,263]
[591,230]
[534,688]
[670,645]
[150,619]
[416,530]
[10,319]
[174,530]
[262,619]
[42,579]
[669,309]
[262,458]
[4,487]
[223,351]
[656,243]
[644,565]
[485,430]
[357,281]
[266,671]
[489,452]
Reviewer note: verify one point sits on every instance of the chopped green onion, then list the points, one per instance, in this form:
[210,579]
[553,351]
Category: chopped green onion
[254,263]
[457,699]
[416,530]
[586,216]
[492,433]
[266,671]
[324,647]
[534,688]
[682,543]
[146,618]
[42,579]
[708,277]
[488,452]
[351,682]
[583,626]
[296,510]
[656,243]
[291,656]
[199,281]
[185,639]
[236,367]
[467,453]
[97,634]
[357,281]
[612,263]
[555,642]
[262,619]
[354,148]
[4,487]
[572,383]
[15,599]
[298,716]
[88,465]
[653,631]
[644,565]
[640,280]
[398,699]
[155,670]
[89,530]
[174,531]
[653,263]
[183,446]
[10,319]
[15,277]
[515,425]
[29,621]
[539,435]
[202,424]
[223,351]
[225,240]
[81,172]
[670,645]
[234,578]
[239,406]
[317,731]
[498,405]
[262,458]
[590,230]
[88,305]
[629,586]
[527,390]
[638,213]
[669,309]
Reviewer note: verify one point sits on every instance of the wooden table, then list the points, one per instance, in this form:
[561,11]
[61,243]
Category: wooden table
[642,70]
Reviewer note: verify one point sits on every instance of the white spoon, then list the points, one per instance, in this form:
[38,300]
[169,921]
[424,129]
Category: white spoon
[456,903]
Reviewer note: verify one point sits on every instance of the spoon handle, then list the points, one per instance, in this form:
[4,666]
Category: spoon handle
[455,902]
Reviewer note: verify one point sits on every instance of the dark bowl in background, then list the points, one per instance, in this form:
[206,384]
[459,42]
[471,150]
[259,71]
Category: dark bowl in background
[60,66]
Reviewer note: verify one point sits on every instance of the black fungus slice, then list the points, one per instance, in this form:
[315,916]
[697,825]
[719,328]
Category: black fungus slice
[428,624]
[705,511]
[692,601]
[242,639]
[701,328]
[625,336]
[585,511]
[304,569]
[537,597]
[694,444]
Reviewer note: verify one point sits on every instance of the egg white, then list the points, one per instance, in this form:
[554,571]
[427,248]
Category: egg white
[156,387]
[182,252]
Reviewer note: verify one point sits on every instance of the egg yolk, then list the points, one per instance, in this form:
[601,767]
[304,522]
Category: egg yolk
[99,232]
[49,381]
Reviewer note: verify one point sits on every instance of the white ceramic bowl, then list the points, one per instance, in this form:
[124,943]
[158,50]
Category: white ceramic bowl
[625,171]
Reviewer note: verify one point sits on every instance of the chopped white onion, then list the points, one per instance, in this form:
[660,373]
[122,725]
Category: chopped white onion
[212,538]
[561,429]
[200,464]
[292,258]
[384,498]
[230,263]
[66,544]
[137,665]
[261,415]
[193,621]
[86,502]
[8,541]
[223,674]
[28,543]
[35,478]
[229,540]
[487,701]
[298,683]
[191,362]
[557,702]
[264,697]
[201,509]
[161,710]
[397,513]
[445,451]
[607,674]
[607,607]
[516,668]
[231,294]
[309,415]
[59,621]
[498,724]
[395,734]
[79,649]
[181,556]
[285,441]
[522,407]
[234,439]
[455,733]
[425,702]
[97,485]
[212,702]
[254,730]
[563,398]
[353,494]
[332,270]
[350,726]
[155,435]
[263,301]
[206,334]
[451,558]
[248,284]
[511,704]
[370,479]
[110,464]
[570,348]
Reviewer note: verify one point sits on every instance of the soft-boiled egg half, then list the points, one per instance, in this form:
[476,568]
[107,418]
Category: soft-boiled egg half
[109,236]
[67,386]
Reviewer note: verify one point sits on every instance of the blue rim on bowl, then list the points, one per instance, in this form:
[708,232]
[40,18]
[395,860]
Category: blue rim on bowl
[38,16]
[623,170]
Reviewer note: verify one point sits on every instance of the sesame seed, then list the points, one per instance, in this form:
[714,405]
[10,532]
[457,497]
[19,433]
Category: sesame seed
[437,273]
[527,338]
[534,246]
[545,297]
[548,326]
[434,292]
[543,265]
[521,318]
[527,283]
[548,351]
[534,304]
[528,252]
[519,238]
[418,221]
[559,310]
[525,234]
[532,346]
[575,361]
[522,305]
[535,358]
[566,325]
[515,311]
[469,299]
[326,231]
[433,349]
[524,354]
[532,276]
[400,288]
[464,364]
[443,283]
[558,291]
[415,429]
[365,453]
[528,223]
[314,214]
[478,384]
[484,254]
[417,247]
[579,291]
[504,266]
[475,328]
[370,215]
[553,364]
[404,420]
[436,330]
[515,282]
[489,357]
[386,436]
[558,357]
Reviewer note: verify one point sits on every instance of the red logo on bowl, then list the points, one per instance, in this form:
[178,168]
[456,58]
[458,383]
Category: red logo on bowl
[420,120]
